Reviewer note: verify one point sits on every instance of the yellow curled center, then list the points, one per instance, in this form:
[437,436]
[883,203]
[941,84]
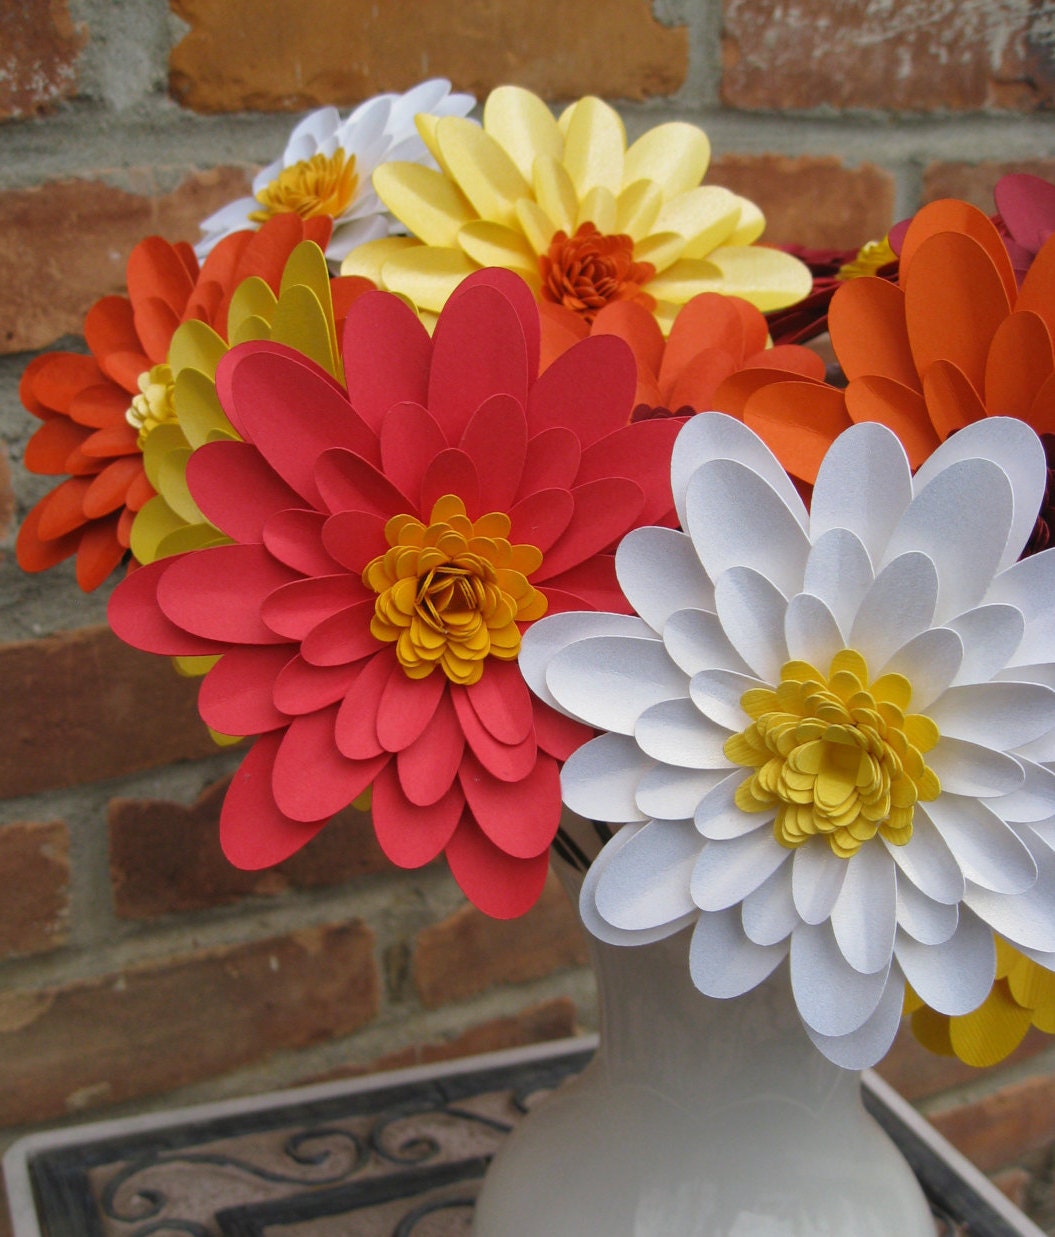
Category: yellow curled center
[321,185]
[153,406]
[451,592]
[837,756]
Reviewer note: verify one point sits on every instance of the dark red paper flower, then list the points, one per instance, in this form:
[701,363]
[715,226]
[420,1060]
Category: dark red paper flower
[391,540]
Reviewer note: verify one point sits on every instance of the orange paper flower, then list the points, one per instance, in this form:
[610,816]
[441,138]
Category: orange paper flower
[97,410]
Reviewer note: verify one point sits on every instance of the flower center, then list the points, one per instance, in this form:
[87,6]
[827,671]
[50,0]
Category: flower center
[836,756]
[869,260]
[153,406]
[586,271]
[450,593]
[321,185]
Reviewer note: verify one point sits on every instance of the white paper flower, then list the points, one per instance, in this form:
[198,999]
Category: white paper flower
[828,730]
[328,163]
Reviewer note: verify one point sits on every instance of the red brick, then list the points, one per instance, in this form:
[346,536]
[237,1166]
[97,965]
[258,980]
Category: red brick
[1014,1183]
[469,952]
[35,878]
[81,706]
[65,244]
[996,1129]
[153,1028]
[38,52]
[165,857]
[906,57]
[811,201]
[974,182]
[341,51]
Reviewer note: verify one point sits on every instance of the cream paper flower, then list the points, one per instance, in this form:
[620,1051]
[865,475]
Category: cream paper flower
[328,163]
[828,731]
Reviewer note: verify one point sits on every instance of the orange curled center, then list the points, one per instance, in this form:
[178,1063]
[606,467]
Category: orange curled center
[321,185]
[589,270]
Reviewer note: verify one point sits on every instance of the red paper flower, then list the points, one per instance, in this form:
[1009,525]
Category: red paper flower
[84,401]
[391,541]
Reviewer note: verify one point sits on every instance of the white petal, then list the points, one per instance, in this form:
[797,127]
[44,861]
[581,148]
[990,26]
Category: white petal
[832,998]
[839,572]
[715,436]
[990,636]
[999,715]
[548,636]
[668,793]
[1029,586]
[718,818]
[752,614]
[817,876]
[735,518]
[865,914]
[954,977]
[811,632]
[1026,919]
[961,520]
[723,961]
[864,484]
[989,852]
[646,884]
[927,862]
[899,605]
[1013,446]
[926,921]
[599,927]
[970,769]
[609,681]
[717,694]
[929,661]
[1035,799]
[726,872]
[676,733]
[659,572]
[600,779]
[769,914]
[696,641]
[863,1048]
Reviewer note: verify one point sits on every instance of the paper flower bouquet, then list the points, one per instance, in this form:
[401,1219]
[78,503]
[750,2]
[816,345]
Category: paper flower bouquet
[530,502]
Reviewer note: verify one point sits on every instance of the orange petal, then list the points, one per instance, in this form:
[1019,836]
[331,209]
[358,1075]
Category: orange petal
[110,488]
[798,421]
[156,322]
[951,401]
[639,328]
[952,215]
[874,398]
[62,511]
[98,554]
[733,394]
[1041,413]
[140,492]
[560,330]
[35,552]
[109,327]
[954,302]
[1020,361]
[866,320]
[790,358]
[51,446]
[708,321]
[100,406]
[155,269]
[1038,287]
[111,441]
[124,369]
[51,382]
[699,379]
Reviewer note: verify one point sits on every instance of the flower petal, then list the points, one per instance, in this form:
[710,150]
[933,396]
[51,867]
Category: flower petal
[659,572]
[600,780]
[833,998]
[724,961]
[817,878]
[954,977]
[899,605]
[752,613]
[646,884]
[726,872]
[864,916]
[609,681]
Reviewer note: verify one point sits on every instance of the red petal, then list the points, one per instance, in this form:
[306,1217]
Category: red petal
[501,700]
[110,329]
[137,619]
[411,835]
[495,883]
[303,688]
[428,767]
[342,638]
[295,609]
[311,778]
[496,441]
[551,462]
[521,818]
[113,440]
[100,406]
[519,295]
[158,270]
[407,707]
[236,696]
[604,510]
[356,728]
[294,537]
[589,390]
[347,482]
[541,518]
[109,488]
[386,353]
[410,440]
[558,735]
[354,538]
[641,452]
[236,488]
[509,762]
[593,583]
[254,833]
[156,323]
[451,472]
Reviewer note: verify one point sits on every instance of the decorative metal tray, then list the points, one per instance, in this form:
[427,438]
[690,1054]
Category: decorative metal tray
[392,1155]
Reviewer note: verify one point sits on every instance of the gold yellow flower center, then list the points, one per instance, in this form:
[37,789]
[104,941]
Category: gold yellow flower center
[153,406]
[835,755]
[870,258]
[321,185]
[589,270]
[451,592]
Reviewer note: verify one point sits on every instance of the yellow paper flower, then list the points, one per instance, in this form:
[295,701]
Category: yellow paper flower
[567,205]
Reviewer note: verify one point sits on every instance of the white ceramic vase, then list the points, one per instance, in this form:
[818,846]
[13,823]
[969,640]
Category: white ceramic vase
[699,1118]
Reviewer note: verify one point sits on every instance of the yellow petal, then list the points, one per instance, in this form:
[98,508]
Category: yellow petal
[190,537]
[637,209]
[168,436]
[252,299]
[301,322]
[598,207]
[768,278]
[200,415]
[556,196]
[491,244]
[751,225]
[307,265]
[894,689]
[195,345]
[536,225]
[523,126]
[172,485]
[425,123]
[250,328]
[368,259]
[705,217]
[424,200]
[152,523]
[594,145]
[674,155]
[992,1031]
[427,276]
[486,175]
[1030,984]
[662,249]
[194,667]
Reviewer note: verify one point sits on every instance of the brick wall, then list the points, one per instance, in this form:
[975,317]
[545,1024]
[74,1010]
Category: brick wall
[136,968]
